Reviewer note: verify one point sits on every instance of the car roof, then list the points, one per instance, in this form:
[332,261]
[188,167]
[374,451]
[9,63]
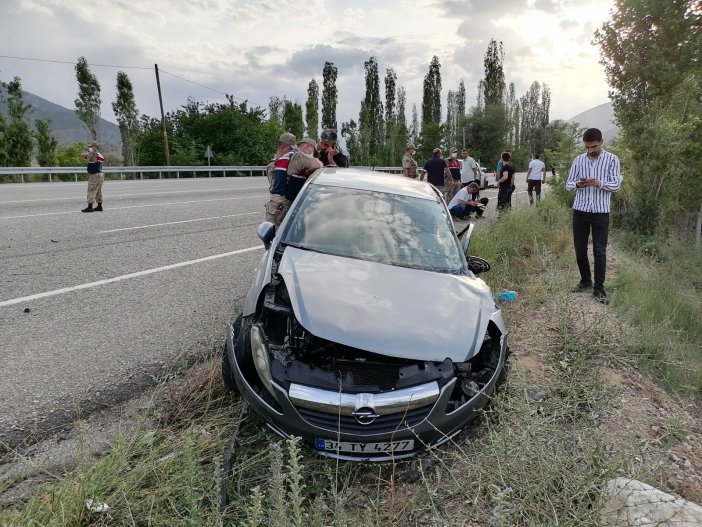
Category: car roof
[376,181]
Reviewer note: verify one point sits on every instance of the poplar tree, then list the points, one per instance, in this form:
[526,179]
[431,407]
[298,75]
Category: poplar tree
[393,130]
[390,95]
[431,108]
[450,125]
[292,118]
[401,104]
[46,144]
[371,119]
[88,101]
[494,82]
[414,127]
[127,118]
[275,109]
[460,100]
[329,95]
[399,136]
[18,138]
[312,110]
[431,97]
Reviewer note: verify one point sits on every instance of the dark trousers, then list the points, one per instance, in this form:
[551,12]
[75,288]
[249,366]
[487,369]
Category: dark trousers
[598,223]
[534,185]
[504,197]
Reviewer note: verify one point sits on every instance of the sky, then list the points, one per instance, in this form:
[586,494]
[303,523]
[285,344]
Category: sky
[255,49]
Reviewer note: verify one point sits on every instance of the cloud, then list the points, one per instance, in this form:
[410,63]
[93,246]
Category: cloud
[309,62]
[258,48]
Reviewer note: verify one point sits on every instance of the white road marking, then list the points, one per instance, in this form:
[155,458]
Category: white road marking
[181,221]
[146,272]
[130,207]
[134,194]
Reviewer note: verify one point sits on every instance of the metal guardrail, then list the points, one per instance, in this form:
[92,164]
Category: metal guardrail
[138,172]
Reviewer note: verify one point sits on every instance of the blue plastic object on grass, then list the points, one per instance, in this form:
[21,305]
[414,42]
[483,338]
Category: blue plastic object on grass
[507,296]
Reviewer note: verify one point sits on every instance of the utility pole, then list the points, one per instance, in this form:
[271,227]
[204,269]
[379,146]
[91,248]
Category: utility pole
[163,119]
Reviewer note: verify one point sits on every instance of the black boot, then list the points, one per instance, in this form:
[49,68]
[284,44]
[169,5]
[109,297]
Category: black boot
[98,208]
[89,208]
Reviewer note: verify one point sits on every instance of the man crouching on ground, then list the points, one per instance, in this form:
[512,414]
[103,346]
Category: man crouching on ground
[467,201]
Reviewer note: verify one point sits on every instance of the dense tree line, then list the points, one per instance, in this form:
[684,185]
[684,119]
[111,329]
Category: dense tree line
[651,53]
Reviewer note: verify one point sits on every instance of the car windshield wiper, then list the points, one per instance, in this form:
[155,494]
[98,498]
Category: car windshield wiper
[302,247]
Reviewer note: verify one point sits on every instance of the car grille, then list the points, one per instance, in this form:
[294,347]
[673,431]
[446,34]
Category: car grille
[383,376]
[384,424]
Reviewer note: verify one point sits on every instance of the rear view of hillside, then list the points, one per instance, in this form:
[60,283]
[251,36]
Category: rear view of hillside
[65,125]
[601,117]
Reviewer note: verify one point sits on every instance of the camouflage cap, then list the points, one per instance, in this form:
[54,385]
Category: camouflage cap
[411,147]
[287,139]
[93,143]
[453,150]
[308,141]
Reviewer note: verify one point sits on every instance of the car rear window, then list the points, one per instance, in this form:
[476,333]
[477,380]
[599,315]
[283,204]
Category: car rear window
[375,226]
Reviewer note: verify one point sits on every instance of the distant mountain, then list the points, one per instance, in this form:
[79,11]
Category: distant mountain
[601,117]
[66,126]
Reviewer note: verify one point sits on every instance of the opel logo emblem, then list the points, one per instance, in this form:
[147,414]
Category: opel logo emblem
[365,416]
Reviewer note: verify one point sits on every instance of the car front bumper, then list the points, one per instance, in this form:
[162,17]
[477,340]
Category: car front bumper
[308,412]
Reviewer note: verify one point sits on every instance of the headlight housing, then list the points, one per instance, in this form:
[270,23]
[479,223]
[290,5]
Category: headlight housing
[261,359]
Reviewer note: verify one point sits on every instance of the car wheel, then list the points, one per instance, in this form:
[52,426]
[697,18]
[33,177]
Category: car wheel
[227,371]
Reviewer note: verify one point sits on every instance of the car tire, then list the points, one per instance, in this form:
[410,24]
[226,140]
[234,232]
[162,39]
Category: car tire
[227,370]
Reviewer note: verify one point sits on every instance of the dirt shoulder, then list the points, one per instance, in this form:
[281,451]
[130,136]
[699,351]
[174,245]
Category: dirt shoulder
[655,436]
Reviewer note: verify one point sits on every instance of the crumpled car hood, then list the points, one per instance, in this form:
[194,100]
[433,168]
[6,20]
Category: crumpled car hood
[393,311]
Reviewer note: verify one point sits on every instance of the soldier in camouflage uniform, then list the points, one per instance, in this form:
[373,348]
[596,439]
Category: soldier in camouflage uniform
[409,165]
[97,178]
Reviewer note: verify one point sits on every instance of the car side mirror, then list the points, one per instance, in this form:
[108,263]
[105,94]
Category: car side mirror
[477,265]
[266,231]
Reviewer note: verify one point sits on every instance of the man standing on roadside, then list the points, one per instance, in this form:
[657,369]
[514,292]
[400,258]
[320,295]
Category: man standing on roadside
[409,164]
[96,179]
[594,176]
[278,205]
[469,168]
[437,169]
[453,184]
[536,175]
[505,182]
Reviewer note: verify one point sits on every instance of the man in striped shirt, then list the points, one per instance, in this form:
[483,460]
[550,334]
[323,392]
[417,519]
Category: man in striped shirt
[593,176]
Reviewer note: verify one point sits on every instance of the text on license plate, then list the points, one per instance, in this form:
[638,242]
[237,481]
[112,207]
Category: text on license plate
[364,448]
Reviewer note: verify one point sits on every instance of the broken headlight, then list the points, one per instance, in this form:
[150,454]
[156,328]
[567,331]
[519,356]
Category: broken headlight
[261,359]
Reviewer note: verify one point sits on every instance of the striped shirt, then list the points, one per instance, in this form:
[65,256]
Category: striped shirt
[606,170]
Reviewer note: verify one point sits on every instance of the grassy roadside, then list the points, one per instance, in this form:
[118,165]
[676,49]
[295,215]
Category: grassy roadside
[537,456]
[659,287]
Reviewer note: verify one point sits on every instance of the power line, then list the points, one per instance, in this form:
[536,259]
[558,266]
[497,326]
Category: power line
[191,82]
[114,66]
[68,62]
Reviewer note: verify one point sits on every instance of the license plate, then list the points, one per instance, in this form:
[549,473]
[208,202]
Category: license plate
[388,447]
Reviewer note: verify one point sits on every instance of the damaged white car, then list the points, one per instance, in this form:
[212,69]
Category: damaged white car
[366,331]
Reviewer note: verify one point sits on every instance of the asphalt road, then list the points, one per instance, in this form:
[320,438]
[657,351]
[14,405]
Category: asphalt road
[93,306]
